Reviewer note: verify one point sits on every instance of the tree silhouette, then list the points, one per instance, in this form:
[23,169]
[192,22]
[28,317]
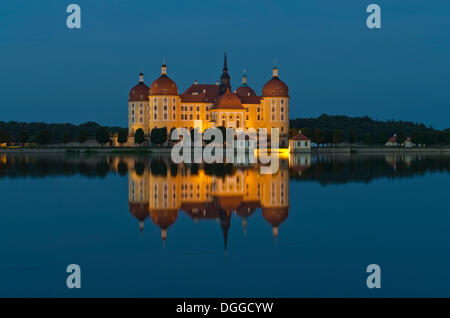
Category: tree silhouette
[139,136]
[122,136]
[102,136]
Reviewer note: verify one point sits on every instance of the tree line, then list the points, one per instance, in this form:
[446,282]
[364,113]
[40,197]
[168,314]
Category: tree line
[43,133]
[322,130]
[336,129]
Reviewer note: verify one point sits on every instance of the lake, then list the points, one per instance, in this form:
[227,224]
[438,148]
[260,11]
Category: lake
[141,226]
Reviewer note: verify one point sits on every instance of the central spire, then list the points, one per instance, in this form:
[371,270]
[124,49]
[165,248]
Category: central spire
[225,66]
[225,78]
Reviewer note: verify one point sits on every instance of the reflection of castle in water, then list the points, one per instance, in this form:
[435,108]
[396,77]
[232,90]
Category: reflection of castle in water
[203,195]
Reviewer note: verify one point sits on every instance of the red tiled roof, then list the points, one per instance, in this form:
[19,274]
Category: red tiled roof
[393,139]
[139,93]
[300,137]
[275,88]
[163,85]
[228,101]
[200,93]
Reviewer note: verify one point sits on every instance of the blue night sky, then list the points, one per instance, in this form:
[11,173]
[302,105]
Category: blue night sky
[327,56]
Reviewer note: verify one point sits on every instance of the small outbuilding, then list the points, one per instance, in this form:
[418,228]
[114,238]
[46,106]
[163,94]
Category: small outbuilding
[299,143]
[408,143]
[392,142]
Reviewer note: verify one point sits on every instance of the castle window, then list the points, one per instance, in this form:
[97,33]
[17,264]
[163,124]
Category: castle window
[273,93]
[165,116]
[190,116]
[273,109]
[173,100]
[257,109]
[156,117]
[174,107]
[246,117]
[156,107]
[282,117]
[132,112]
[165,107]
[190,108]
[198,108]
[273,118]
[282,109]
[141,120]
[140,112]
[165,91]
[198,117]
[258,117]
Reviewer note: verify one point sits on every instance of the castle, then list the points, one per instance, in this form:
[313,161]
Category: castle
[204,106]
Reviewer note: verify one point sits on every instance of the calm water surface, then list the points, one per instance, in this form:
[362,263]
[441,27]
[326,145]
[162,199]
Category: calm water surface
[140,226]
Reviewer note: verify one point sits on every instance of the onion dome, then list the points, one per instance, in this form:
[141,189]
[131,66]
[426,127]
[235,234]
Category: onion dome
[164,218]
[140,211]
[163,85]
[275,87]
[140,91]
[228,101]
[244,89]
[245,210]
[275,216]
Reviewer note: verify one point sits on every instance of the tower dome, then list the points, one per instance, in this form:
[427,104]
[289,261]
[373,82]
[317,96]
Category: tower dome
[228,101]
[244,89]
[164,218]
[140,91]
[275,216]
[275,87]
[140,211]
[163,85]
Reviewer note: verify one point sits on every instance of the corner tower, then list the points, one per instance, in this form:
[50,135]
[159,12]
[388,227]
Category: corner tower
[275,104]
[138,109]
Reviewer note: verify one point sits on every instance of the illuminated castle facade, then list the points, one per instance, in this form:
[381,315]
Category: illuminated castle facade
[204,106]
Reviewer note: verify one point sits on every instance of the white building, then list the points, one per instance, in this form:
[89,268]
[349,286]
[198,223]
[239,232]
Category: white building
[299,143]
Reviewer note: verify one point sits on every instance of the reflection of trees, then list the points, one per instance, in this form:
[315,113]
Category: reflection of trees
[334,170]
[139,167]
[322,169]
[158,168]
[219,169]
[122,168]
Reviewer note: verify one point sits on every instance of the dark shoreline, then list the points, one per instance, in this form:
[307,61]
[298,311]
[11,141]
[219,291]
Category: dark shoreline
[146,150]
